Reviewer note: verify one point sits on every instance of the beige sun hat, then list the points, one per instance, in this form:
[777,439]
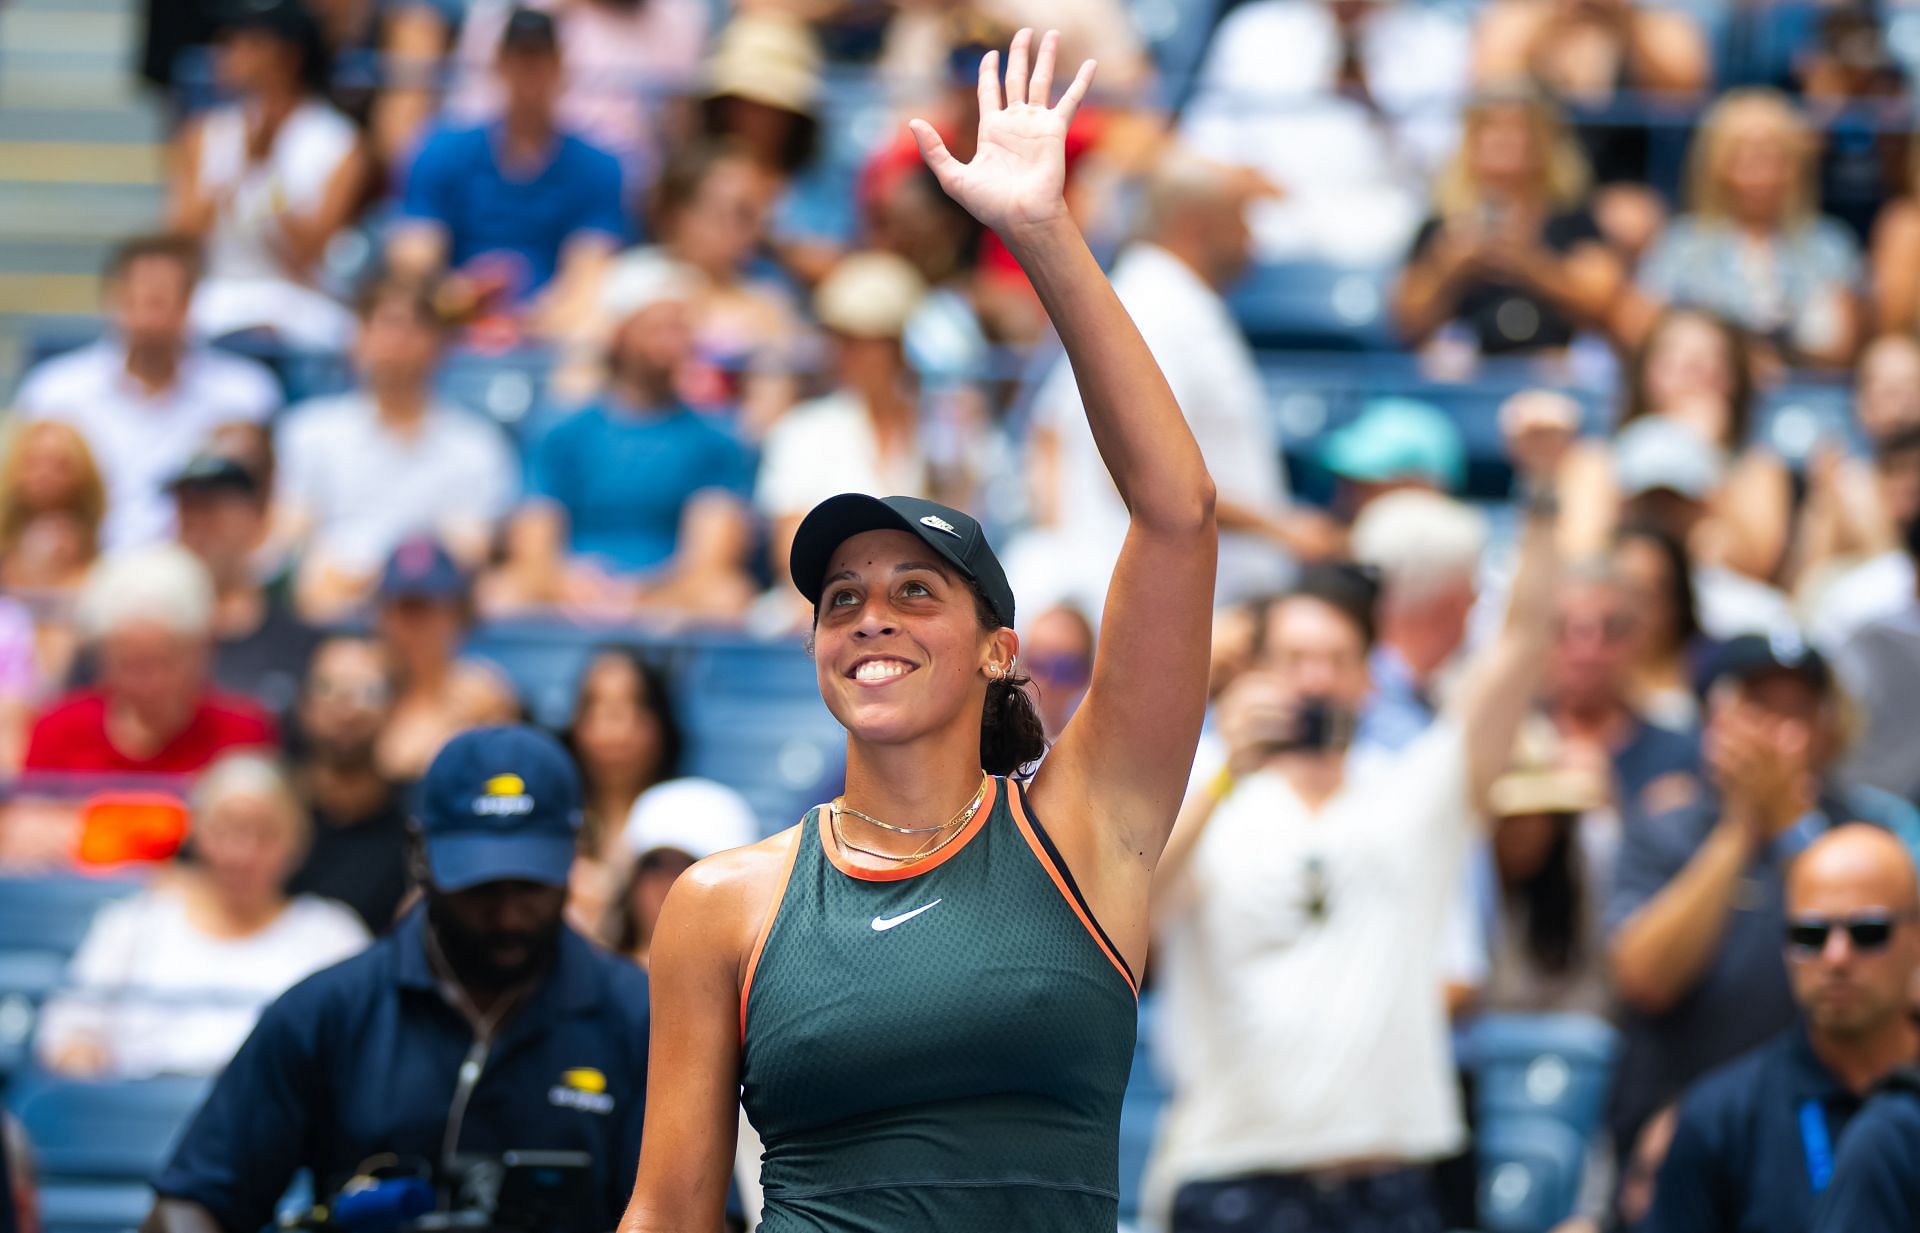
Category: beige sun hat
[1538,780]
[870,295]
[770,58]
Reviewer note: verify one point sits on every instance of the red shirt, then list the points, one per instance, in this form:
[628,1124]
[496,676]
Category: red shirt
[72,737]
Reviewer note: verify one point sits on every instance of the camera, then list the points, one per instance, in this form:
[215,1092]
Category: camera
[515,1192]
[1318,724]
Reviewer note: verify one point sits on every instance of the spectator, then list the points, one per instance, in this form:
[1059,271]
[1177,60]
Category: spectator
[364,471]
[1895,265]
[267,180]
[144,397]
[1548,953]
[624,740]
[1393,444]
[1585,55]
[1857,98]
[1193,244]
[1696,369]
[626,59]
[1880,666]
[638,502]
[1668,476]
[1426,549]
[762,87]
[149,615]
[260,647]
[171,980]
[405,39]
[673,825]
[710,211]
[19,683]
[1755,247]
[920,39]
[1876,1178]
[423,609]
[1292,864]
[524,213]
[1512,250]
[1886,386]
[1754,1145]
[1587,694]
[358,853]
[52,503]
[865,436]
[1696,909]
[1057,654]
[1668,645]
[1367,94]
[912,216]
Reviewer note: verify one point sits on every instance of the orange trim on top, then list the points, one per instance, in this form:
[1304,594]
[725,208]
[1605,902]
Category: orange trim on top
[766,928]
[926,865]
[1060,884]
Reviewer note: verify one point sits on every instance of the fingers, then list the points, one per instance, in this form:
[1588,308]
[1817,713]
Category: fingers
[1076,90]
[933,150]
[1040,89]
[990,83]
[1017,66]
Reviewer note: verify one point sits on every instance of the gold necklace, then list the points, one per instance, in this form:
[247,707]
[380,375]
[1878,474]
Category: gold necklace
[952,826]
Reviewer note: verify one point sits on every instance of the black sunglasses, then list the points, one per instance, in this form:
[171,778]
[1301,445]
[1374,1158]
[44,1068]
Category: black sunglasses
[1868,932]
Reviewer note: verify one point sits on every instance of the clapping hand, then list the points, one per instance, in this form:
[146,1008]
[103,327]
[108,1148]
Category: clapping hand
[1017,179]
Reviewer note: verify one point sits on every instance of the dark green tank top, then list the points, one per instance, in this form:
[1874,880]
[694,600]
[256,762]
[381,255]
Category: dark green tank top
[939,1047]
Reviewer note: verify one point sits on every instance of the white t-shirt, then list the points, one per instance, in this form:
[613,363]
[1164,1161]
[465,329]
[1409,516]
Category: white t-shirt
[826,447]
[1296,1038]
[164,998]
[1212,373]
[141,442]
[1355,186]
[368,488]
[248,285]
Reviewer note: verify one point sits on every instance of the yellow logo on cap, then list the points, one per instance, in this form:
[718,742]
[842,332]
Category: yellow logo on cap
[506,785]
[584,1079]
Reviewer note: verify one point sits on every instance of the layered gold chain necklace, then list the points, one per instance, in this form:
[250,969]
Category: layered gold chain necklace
[941,835]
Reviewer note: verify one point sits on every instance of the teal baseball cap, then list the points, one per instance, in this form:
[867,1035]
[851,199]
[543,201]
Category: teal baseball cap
[1396,439]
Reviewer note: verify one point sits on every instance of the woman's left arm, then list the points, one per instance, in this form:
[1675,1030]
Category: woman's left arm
[305,237]
[1125,758]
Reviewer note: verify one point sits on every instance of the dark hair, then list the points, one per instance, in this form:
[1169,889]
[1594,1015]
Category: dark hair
[1012,738]
[655,700]
[421,296]
[1554,902]
[682,175]
[803,136]
[1739,358]
[1351,590]
[1673,554]
[183,251]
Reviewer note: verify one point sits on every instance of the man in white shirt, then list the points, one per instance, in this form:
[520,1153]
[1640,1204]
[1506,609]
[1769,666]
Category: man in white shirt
[361,472]
[1347,105]
[144,397]
[1193,242]
[1299,916]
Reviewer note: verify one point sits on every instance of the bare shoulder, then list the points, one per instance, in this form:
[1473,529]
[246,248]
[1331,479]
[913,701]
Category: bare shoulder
[724,898]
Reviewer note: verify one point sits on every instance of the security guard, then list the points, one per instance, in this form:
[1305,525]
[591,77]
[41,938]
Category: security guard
[480,1026]
[1876,1176]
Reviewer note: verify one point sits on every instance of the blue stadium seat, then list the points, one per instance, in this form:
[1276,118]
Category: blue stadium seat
[52,912]
[1530,1171]
[505,388]
[1311,305]
[544,660]
[753,720]
[1140,1111]
[1177,33]
[1797,419]
[97,1144]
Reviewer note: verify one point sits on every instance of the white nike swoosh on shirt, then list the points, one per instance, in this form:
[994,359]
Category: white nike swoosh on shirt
[883,923]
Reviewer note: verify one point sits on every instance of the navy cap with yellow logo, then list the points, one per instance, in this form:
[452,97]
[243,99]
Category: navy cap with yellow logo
[500,805]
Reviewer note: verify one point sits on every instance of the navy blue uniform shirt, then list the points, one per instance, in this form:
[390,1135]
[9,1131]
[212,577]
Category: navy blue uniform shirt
[1876,1180]
[362,1058]
[1739,1160]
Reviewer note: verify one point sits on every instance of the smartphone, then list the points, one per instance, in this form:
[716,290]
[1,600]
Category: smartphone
[1319,724]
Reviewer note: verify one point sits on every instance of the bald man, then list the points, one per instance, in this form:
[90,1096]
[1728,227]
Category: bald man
[1755,1142]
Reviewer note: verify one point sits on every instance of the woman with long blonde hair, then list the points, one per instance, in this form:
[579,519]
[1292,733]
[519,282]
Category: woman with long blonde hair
[1754,246]
[52,501]
[1512,250]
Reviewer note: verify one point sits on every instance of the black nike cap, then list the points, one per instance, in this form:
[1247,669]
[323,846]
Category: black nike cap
[955,536]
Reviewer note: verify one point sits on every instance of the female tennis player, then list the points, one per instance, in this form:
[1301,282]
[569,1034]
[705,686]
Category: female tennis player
[925,992]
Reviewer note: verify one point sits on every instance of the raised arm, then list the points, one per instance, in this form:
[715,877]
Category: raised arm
[1122,763]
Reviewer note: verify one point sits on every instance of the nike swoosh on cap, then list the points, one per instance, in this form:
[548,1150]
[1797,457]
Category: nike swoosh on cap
[883,923]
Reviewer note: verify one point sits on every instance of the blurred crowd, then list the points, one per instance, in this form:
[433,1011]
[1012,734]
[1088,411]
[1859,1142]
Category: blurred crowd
[707,233]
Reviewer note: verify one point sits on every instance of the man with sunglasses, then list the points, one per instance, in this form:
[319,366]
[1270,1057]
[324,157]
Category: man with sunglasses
[1755,1143]
[1698,900]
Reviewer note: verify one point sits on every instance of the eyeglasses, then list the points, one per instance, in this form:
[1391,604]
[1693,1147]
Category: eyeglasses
[1062,669]
[1868,932]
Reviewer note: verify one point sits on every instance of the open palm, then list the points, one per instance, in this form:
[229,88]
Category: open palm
[1018,175]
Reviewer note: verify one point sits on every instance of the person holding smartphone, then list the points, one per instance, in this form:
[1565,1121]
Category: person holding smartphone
[1300,909]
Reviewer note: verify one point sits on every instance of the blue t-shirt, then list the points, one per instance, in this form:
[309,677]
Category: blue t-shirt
[624,478]
[524,219]
[1876,1177]
[1741,1155]
[363,1059]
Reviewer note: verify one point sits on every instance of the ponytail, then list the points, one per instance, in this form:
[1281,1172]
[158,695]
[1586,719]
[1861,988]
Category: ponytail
[1012,738]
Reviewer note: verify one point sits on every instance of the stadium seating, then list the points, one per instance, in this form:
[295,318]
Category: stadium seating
[1540,1089]
[97,1144]
[1310,305]
[42,920]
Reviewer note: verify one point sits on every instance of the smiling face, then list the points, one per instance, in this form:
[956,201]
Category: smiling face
[898,642]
